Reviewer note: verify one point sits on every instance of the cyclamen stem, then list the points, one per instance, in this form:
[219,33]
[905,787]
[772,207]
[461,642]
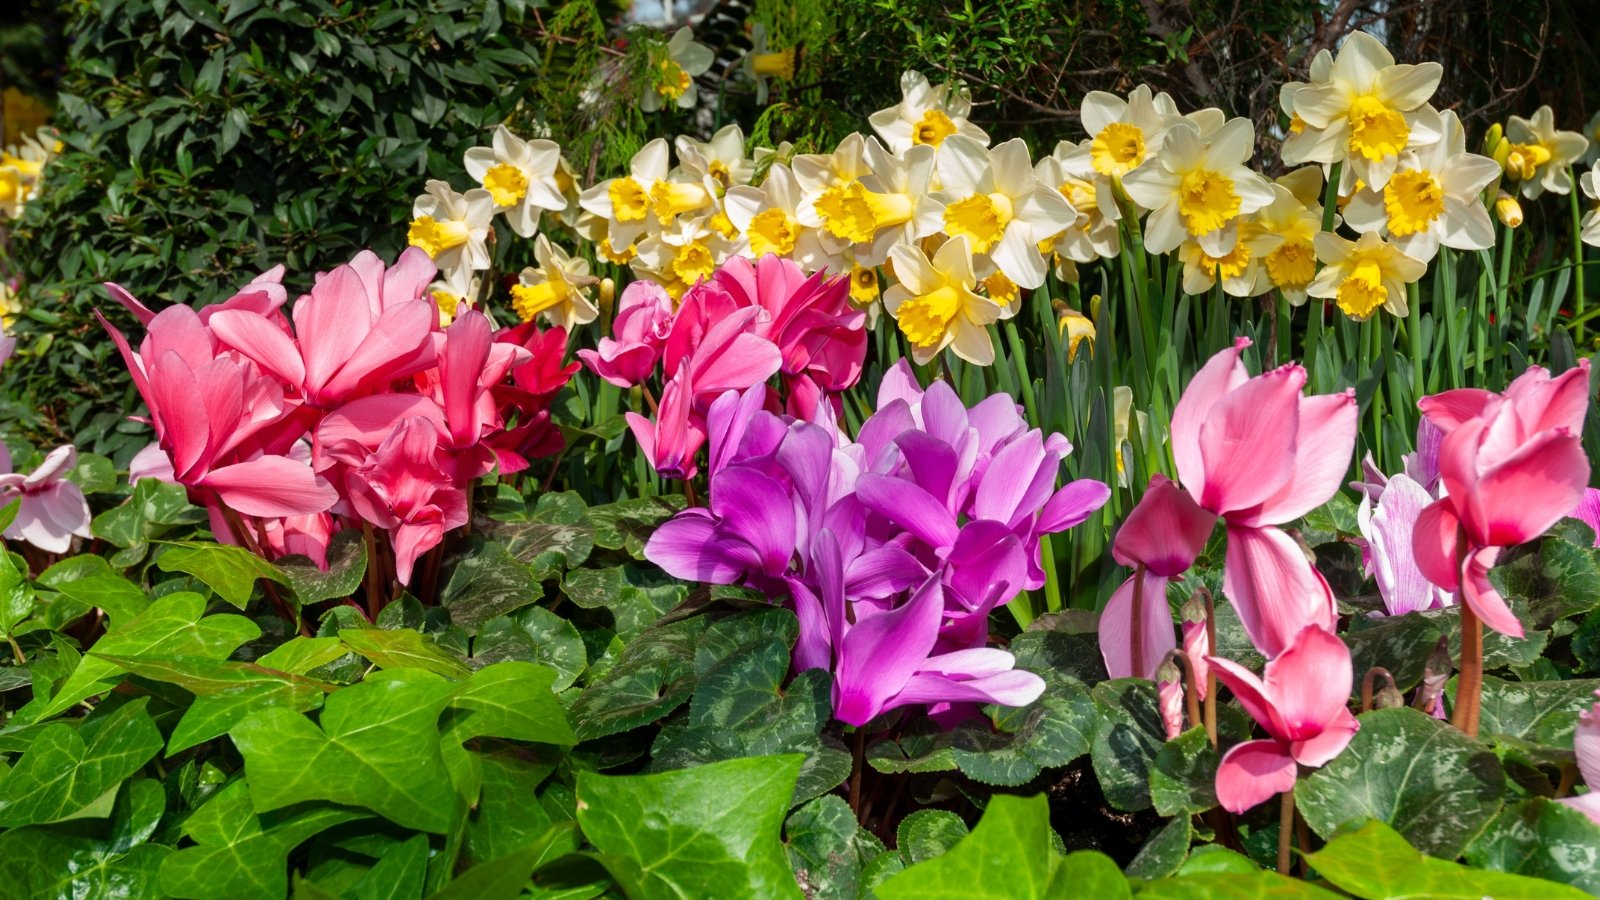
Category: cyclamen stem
[855,772]
[1367,684]
[1469,687]
[1285,830]
[1136,624]
[1211,680]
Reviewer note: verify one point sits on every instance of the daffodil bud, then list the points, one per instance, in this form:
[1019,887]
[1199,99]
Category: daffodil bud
[1494,144]
[608,293]
[1508,210]
[1075,328]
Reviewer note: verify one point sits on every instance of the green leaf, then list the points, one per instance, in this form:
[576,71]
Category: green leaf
[921,747]
[65,771]
[927,833]
[504,819]
[1542,839]
[1374,862]
[347,566]
[628,524]
[398,874]
[484,582]
[710,831]
[1541,712]
[301,654]
[1400,644]
[533,635]
[635,594]
[228,570]
[91,581]
[1052,731]
[1183,778]
[1234,886]
[1430,782]
[828,850]
[239,854]
[558,539]
[653,676]
[1127,741]
[381,736]
[506,878]
[403,648]
[1165,851]
[511,700]
[1008,855]
[45,863]
[171,626]
[1560,577]
[16,593]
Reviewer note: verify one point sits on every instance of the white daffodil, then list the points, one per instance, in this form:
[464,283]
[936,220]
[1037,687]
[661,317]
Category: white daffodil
[993,198]
[1366,113]
[1295,217]
[452,228]
[823,179]
[1122,133]
[1540,154]
[722,158]
[1591,131]
[1122,416]
[1321,73]
[557,289]
[521,176]
[761,65]
[673,71]
[769,218]
[935,306]
[682,255]
[1241,269]
[1432,198]
[1196,187]
[625,203]
[1094,235]
[926,115]
[450,293]
[1364,275]
[1590,226]
[880,210]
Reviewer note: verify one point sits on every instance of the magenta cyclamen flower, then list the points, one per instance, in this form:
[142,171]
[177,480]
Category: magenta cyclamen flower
[893,547]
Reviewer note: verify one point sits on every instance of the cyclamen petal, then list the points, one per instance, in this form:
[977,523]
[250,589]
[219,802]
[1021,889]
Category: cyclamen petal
[1116,628]
[1251,773]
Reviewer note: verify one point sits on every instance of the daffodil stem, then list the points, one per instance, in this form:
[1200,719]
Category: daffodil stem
[1019,359]
[1577,256]
[1414,337]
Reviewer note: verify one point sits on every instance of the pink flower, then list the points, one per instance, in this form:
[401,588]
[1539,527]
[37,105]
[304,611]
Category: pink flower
[1512,466]
[534,384]
[360,329]
[53,509]
[1586,743]
[644,321]
[1302,704]
[1258,453]
[402,489]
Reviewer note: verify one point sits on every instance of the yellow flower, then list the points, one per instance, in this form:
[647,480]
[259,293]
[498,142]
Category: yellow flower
[672,74]
[993,198]
[1122,133]
[452,228]
[1075,328]
[1508,210]
[935,306]
[624,203]
[1196,187]
[521,176]
[926,115]
[864,287]
[771,220]
[557,289]
[1364,275]
[1540,154]
[762,64]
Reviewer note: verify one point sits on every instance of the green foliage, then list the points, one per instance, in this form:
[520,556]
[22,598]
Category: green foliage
[1374,862]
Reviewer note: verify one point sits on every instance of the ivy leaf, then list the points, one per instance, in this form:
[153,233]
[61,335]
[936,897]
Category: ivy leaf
[153,508]
[1234,886]
[43,862]
[403,648]
[710,831]
[240,854]
[228,570]
[636,595]
[1127,741]
[90,580]
[381,736]
[1430,782]
[66,770]
[504,819]
[506,877]
[347,566]
[511,700]
[1374,862]
[1543,839]
[301,654]
[828,850]
[174,625]
[1008,855]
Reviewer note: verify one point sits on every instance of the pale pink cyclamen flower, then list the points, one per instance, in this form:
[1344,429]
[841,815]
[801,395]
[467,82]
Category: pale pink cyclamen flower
[1511,466]
[1588,512]
[1586,743]
[1258,453]
[1302,702]
[53,510]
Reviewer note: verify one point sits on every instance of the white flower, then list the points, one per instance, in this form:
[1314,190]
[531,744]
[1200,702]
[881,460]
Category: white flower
[1590,182]
[1366,113]
[769,219]
[823,179]
[880,210]
[1540,154]
[679,256]
[722,158]
[1591,131]
[557,289]
[760,64]
[1240,269]
[672,72]
[994,199]
[926,115]
[625,202]
[1432,198]
[1295,217]
[521,176]
[453,228]
[1122,133]
[935,306]
[1094,235]
[449,294]
[1197,187]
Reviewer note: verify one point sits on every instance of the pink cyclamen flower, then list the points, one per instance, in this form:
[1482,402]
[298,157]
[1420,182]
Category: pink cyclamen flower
[53,509]
[1588,512]
[1586,743]
[1303,705]
[1163,534]
[1258,453]
[1511,465]
[402,489]
[644,321]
